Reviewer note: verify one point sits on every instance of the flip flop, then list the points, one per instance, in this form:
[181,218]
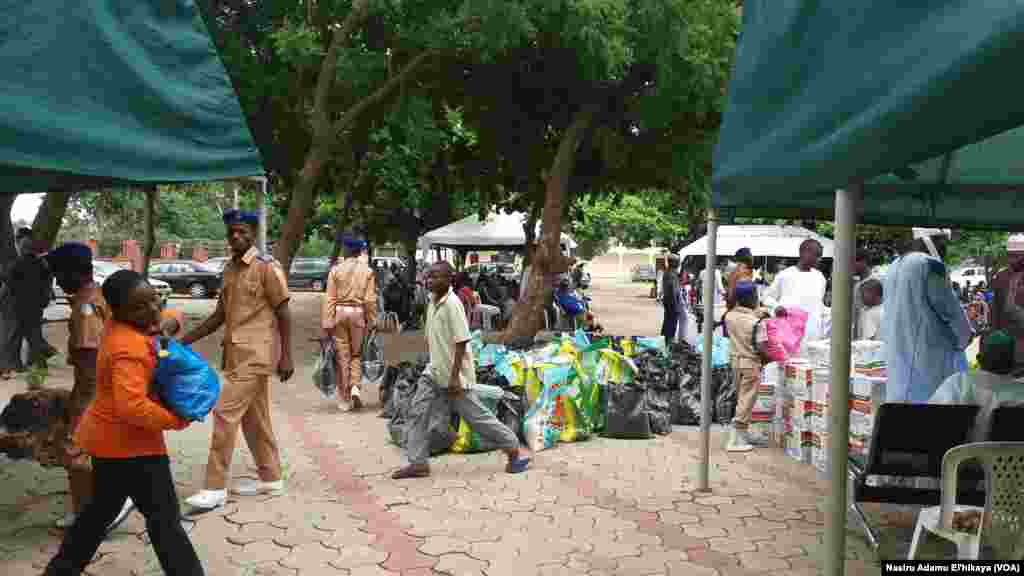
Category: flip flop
[518,466]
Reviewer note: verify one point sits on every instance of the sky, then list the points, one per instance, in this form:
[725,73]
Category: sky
[26,206]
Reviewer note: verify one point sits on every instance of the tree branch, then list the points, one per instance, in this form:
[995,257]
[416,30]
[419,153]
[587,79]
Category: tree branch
[325,80]
[410,67]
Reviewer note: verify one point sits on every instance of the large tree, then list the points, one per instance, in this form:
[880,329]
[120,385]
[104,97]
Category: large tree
[593,94]
[310,74]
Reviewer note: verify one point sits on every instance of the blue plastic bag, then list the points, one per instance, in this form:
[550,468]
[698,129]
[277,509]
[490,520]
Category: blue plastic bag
[719,350]
[185,382]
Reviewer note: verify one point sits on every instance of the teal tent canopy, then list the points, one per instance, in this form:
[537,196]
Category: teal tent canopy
[111,92]
[920,100]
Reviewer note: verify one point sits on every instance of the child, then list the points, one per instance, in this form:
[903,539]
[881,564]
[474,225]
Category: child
[745,361]
[869,326]
[71,264]
[989,387]
[123,432]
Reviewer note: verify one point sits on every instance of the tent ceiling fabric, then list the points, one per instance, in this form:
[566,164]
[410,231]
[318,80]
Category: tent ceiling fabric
[766,240]
[499,231]
[823,95]
[107,93]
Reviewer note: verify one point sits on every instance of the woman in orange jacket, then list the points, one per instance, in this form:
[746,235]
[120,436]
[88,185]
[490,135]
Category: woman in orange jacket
[123,432]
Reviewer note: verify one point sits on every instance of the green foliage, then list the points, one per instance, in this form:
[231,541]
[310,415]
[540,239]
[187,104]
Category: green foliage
[316,247]
[635,220]
[986,248]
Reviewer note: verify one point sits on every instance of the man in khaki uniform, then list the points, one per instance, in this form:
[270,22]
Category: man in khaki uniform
[349,310]
[253,307]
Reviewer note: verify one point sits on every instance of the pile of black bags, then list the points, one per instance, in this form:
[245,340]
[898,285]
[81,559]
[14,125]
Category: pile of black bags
[685,368]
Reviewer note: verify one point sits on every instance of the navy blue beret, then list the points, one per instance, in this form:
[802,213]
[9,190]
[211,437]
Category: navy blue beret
[232,217]
[70,254]
[745,289]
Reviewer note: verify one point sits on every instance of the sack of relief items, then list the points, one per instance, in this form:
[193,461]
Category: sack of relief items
[185,382]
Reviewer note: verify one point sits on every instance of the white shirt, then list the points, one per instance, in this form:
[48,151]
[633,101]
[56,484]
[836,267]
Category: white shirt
[869,326]
[794,288]
[446,327]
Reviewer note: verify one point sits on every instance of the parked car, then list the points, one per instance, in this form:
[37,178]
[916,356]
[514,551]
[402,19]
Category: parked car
[506,271]
[643,273]
[968,277]
[388,261]
[188,277]
[101,269]
[309,273]
[217,264]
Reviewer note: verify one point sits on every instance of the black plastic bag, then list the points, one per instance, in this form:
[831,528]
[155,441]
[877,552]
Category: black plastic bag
[659,410]
[686,408]
[724,394]
[512,410]
[442,434]
[325,377]
[387,391]
[627,412]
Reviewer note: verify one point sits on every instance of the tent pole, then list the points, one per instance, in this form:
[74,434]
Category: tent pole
[261,207]
[847,207]
[709,323]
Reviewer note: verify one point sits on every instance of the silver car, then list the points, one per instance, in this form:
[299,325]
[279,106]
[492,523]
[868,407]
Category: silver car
[101,269]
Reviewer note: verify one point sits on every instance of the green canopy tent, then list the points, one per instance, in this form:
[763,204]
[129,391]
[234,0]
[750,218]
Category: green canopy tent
[110,93]
[901,113]
[106,92]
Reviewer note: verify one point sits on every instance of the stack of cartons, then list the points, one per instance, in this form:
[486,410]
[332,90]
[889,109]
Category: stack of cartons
[795,410]
[762,420]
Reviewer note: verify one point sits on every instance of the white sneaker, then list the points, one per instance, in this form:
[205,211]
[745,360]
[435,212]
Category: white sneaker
[208,499]
[122,515]
[68,519]
[248,487]
[738,442]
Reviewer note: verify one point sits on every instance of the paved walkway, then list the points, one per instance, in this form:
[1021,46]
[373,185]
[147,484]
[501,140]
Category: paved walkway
[601,507]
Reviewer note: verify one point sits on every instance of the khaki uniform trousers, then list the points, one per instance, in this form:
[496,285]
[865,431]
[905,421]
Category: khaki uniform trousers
[746,376]
[245,401]
[348,340]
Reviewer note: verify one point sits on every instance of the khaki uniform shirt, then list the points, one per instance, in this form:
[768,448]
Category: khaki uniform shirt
[740,321]
[350,283]
[446,327]
[89,314]
[253,288]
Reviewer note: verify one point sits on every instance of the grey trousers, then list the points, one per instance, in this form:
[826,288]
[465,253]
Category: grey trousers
[430,399]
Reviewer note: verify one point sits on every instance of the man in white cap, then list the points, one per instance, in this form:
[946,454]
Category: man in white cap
[924,328]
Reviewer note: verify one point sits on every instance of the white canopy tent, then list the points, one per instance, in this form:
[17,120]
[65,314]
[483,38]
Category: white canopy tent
[763,240]
[498,231]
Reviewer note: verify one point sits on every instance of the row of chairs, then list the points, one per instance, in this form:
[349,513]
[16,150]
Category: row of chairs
[915,442]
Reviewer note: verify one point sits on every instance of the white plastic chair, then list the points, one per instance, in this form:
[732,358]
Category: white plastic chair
[1002,523]
[487,316]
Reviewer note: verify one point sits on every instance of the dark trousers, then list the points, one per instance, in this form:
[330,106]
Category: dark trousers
[147,480]
[669,325]
[28,326]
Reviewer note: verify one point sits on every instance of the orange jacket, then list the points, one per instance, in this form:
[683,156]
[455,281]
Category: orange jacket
[124,421]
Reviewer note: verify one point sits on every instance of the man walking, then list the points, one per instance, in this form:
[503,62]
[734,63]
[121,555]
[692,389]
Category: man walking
[449,380]
[31,286]
[671,299]
[253,307]
[349,309]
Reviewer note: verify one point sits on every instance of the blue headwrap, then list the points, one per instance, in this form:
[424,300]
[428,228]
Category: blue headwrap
[73,255]
[745,289]
[232,217]
[351,242]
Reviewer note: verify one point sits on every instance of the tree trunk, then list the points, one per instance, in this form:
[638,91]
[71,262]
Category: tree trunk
[528,317]
[48,220]
[150,244]
[7,250]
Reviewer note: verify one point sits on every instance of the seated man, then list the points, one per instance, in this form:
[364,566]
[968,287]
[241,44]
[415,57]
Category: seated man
[989,387]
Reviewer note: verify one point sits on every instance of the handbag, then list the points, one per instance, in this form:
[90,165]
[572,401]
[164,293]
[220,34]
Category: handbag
[372,357]
[325,375]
